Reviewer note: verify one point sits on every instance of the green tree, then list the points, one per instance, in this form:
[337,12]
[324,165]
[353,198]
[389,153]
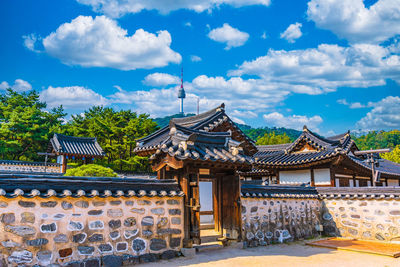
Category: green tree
[91,170]
[25,126]
[273,139]
[394,155]
[116,132]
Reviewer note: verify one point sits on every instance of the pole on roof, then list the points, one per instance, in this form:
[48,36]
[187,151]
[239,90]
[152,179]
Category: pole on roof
[374,163]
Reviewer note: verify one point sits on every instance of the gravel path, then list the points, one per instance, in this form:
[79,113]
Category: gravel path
[290,255]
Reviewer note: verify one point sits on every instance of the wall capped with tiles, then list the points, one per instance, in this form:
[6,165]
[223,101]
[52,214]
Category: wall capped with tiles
[273,219]
[89,231]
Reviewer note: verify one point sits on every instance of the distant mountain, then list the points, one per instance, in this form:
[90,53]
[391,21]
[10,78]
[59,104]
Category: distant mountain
[253,133]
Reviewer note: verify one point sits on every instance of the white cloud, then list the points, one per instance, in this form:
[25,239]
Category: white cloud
[244,113]
[292,33]
[350,19]
[231,36]
[324,69]
[353,105]
[385,115]
[294,121]
[195,58]
[264,35]
[188,24]
[243,98]
[161,79]
[159,102]
[118,8]
[30,41]
[19,85]
[72,97]
[100,42]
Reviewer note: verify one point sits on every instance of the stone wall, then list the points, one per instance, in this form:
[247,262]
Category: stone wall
[96,231]
[29,167]
[278,219]
[366,213]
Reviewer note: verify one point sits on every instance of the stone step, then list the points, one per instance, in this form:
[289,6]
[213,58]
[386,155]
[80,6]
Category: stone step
[208,246]
[210,238]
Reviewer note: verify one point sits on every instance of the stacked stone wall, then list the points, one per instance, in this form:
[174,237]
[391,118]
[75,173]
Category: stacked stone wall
[17,167]
[362,218]
[268,220]
[89,231]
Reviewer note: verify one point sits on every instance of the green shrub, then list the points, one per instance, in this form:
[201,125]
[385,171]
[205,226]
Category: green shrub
[91,170]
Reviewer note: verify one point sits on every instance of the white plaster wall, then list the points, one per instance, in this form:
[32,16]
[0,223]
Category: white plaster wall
[295,177]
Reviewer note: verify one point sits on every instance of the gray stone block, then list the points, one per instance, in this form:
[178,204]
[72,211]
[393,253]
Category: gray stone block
[188,252]
[112,261]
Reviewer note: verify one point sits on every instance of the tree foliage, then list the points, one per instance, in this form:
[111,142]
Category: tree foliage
[394,155]
[273,139]
[91,170]
[116,132]
[25,126]
[378,139]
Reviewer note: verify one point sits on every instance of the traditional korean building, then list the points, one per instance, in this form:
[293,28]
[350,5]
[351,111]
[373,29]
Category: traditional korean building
[71,147]
[317,161]
[205,162]
[213,160]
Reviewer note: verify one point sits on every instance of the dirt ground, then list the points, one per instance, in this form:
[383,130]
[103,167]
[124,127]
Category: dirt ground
[291,255]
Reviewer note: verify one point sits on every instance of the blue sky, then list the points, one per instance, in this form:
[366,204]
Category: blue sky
[333,65]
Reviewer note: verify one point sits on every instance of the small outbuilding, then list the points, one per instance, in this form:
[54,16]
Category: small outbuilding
[72,147]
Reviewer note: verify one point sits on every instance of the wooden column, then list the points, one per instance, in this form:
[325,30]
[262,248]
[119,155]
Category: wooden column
[64,164]
[333,178]
[183,182]
[312,182]
[354,181]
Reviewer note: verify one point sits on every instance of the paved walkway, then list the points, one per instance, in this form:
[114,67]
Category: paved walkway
[282,255]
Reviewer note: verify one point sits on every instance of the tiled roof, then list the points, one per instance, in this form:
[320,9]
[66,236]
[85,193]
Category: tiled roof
[255,189]
[184,143]
[12,185]
[385,166]
[380,193]
[206,122]
[286,154]
[71,145]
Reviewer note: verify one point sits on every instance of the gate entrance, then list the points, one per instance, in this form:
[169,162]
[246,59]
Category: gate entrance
[207,218]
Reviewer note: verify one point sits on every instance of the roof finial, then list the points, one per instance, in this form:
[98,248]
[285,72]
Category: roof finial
[305,128]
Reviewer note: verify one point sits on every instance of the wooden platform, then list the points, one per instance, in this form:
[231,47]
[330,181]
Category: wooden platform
[380,248]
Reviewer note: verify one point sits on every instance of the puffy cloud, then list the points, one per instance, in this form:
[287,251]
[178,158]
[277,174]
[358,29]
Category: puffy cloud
[350,19]
[229,35]
[72,97]
[19,85]
[292,33]
[325,68]
[195,58]
[246,95]
[161,79]
[158,102]
[118,8]
[30,41]
[100,42]
[385,115]
[294,121]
